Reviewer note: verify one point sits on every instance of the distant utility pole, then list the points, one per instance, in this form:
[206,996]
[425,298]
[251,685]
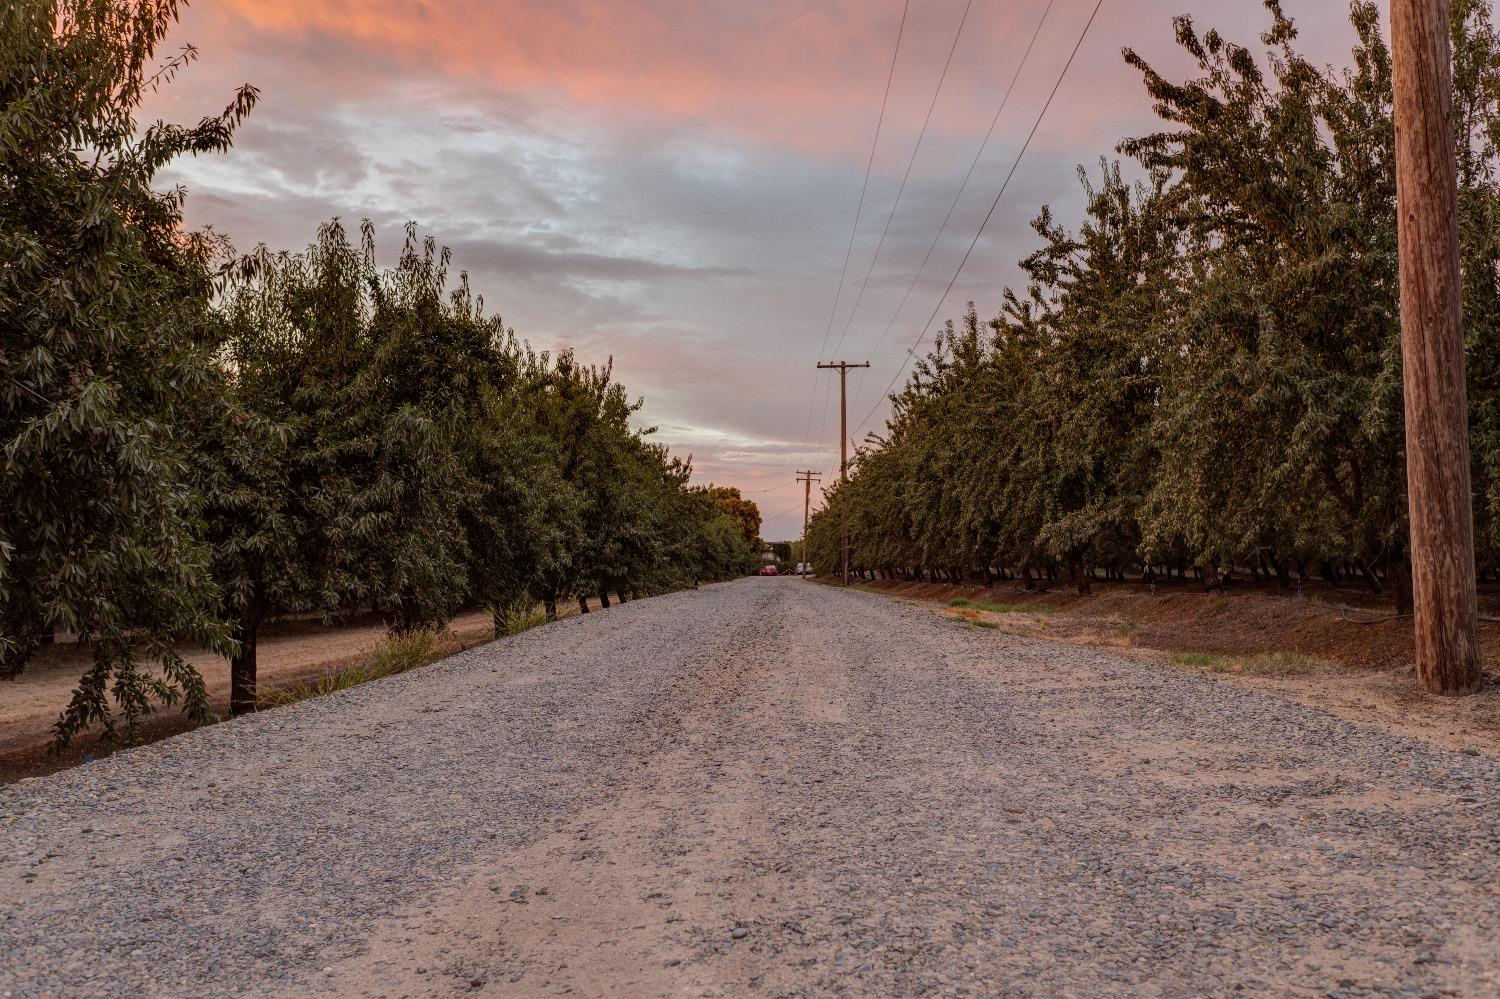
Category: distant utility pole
[806,478]
[843,368]
[1432,351]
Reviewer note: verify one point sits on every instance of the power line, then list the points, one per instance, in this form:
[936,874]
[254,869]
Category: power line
[907,176]
[864,187]
[858,213]
[1004,101]
[911,351]
[772,489]
[784,513]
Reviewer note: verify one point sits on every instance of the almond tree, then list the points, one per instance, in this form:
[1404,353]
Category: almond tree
[1208,372]
[104,334]
[286,467]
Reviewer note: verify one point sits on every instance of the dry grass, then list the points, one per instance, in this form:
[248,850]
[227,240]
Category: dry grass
[397,654]
[518,618]
[1259,664]
[1285,664]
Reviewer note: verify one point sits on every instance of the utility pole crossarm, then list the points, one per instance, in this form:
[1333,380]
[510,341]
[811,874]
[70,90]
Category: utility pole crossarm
[843,370]
[807,479]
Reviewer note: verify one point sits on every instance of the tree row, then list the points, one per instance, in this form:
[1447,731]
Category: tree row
[1204,376]
[196,444]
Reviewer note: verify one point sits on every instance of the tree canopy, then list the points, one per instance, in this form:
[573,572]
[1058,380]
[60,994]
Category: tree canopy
[1206,372]
[196,443]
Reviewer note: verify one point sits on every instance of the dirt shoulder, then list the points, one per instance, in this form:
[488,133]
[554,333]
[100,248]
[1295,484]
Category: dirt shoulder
[289,650]
[1339,651]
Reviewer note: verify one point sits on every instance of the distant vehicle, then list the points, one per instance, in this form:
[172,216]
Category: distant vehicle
[768,570]
[804,569]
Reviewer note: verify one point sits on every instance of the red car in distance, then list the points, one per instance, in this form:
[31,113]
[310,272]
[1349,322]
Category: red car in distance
[768,570]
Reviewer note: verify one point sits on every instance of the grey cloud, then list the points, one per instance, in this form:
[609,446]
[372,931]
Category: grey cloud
[705,263]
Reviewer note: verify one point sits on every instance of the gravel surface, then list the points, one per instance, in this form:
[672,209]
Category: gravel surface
[768,787]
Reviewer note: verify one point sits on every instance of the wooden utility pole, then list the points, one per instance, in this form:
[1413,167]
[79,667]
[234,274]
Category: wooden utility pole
[1432,351]
[806,478]
[843,368]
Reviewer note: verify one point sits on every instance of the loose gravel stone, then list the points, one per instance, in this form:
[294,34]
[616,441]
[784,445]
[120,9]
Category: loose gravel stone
[872,801]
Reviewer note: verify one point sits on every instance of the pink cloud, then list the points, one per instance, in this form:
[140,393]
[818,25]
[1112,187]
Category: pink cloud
[795,73]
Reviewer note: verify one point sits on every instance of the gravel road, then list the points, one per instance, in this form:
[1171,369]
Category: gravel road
[768,787]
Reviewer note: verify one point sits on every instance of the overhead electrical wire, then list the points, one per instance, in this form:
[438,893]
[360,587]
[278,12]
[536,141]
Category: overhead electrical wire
[784,513]
[865,186]
[901,190]
[858,213]
[911,161]
[772,489]
[989,133]
[922,333]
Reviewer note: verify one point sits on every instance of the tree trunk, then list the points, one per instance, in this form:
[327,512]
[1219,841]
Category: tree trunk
[1400,579]
[620,592]
[242,687]
[583,604]
[1283,574]
[603,598]
[549,604]
[1081,580]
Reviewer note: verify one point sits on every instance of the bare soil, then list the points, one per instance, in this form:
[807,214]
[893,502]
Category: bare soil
[1358,657]
[289,650]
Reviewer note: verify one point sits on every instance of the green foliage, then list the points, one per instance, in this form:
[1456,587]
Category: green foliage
[745,513]
[104,329]
[998,608]
[1207,373]
[190,449]
[404,451]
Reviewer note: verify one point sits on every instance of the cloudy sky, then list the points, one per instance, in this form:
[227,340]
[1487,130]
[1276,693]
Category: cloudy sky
[674,184]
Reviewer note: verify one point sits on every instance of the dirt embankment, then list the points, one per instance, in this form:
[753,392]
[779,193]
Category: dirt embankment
[1338,650]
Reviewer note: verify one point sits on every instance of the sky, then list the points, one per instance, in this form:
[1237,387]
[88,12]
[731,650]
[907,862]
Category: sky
[674,184]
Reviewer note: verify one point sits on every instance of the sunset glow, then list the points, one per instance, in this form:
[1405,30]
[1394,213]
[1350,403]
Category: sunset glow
[673,184]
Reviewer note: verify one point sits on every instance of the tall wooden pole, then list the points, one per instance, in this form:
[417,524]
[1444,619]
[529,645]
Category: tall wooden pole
[1432,351]
[806,478]
[843,368]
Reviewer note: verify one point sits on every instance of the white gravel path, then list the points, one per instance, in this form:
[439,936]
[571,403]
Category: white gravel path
[771,788]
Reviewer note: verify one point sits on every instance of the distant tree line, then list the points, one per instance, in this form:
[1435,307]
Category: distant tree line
[1205,377]
[195,444]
